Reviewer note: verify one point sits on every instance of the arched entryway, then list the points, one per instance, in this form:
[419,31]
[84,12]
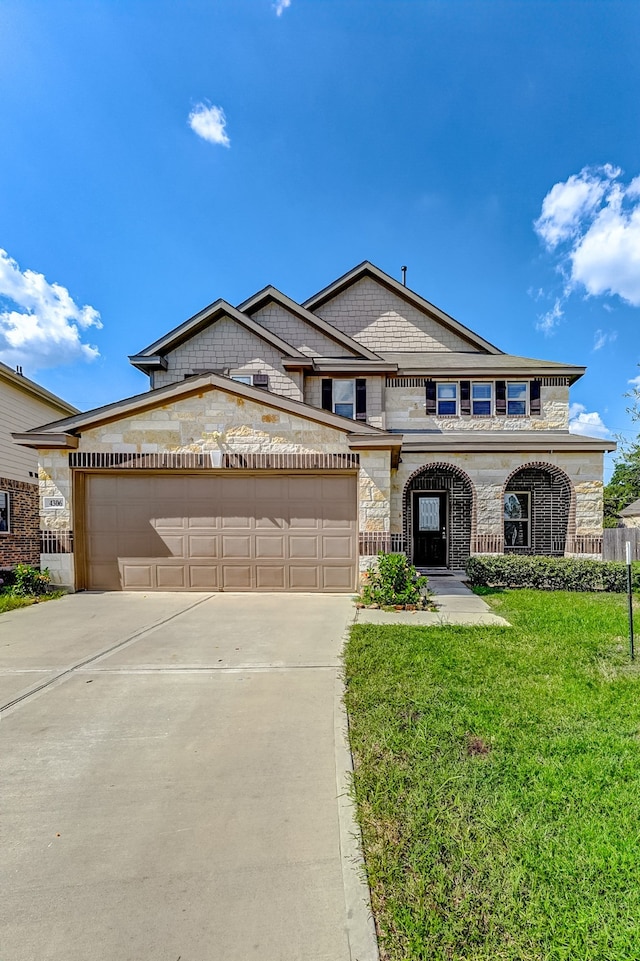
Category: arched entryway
[537,510]
[439,514]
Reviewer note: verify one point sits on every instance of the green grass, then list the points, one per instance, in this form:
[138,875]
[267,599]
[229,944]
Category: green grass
[9,602]
[498,782]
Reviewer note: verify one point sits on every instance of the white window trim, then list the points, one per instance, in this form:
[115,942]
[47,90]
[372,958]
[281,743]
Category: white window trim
[7,495]
[527,519]
[492,387]
[510,383]
[448,383]
[343,380]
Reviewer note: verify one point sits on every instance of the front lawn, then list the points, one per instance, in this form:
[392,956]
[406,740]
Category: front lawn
[498,782]
[9,602]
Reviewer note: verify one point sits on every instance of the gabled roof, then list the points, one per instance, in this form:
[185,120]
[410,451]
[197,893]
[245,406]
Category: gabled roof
[35,390]
[633,510]
[268,294]
[366,269]
[65,433]
[451,363]
[152,356]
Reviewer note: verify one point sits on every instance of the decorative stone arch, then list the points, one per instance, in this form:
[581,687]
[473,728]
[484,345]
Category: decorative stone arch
[461,507]
[553,507]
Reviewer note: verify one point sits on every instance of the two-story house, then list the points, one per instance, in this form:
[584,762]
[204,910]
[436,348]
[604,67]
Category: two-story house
[281,445]
[23,405]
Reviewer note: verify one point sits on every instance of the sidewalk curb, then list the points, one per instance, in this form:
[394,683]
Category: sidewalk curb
[360,927]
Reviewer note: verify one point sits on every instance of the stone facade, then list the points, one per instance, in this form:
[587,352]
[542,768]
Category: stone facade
[211,421]
[405,409]
[21,543]
[490,474]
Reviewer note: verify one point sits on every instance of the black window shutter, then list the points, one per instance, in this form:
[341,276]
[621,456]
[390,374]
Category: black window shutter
[465,396]
[261,380]
[430,388]
[501,397]
[327,394]
[361,398]
[534,397]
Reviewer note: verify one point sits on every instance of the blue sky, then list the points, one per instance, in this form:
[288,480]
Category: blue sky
[493,147]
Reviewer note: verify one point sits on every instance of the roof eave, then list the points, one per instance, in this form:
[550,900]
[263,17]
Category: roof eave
[41,440]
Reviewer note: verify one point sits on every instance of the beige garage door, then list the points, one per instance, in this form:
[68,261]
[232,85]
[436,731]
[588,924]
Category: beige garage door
[201,532]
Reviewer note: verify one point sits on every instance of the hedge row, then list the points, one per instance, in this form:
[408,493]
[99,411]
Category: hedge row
[550,573]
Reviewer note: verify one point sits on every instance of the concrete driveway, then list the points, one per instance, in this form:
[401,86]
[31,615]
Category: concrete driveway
[173,773]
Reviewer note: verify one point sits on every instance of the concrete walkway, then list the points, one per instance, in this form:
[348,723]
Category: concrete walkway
[174,772]
[456,605]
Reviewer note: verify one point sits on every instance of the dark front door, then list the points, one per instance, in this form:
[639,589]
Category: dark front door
[430,529]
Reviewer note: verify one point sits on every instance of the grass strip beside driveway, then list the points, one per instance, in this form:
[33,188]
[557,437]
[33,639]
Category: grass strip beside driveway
[498,782]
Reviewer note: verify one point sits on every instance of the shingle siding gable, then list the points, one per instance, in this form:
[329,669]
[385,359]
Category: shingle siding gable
[295,331]
[226,344]
[379,319]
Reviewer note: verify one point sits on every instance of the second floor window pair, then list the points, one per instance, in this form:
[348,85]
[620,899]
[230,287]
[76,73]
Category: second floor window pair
[483,398]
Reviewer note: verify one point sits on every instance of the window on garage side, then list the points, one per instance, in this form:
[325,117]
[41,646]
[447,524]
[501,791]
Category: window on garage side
[5,512]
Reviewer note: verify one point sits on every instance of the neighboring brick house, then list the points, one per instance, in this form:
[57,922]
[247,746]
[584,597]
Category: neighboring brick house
[23,404]
[282,445]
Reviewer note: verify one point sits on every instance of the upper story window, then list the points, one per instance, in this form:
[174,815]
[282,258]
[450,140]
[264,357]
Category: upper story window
[345,396]
[447,399]
[481,398]
[243,378]
[517,398]
[5,519]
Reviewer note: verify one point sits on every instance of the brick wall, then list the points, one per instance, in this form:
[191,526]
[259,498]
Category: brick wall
[550,498]
[22,543]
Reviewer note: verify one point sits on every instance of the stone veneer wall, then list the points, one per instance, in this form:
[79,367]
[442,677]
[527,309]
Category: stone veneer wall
[227,344]
[21,544]
[211,421]
[309,340]
[381,320]
[490,472]
[405,408]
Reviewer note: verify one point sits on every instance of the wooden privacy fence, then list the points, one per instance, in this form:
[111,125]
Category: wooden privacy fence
[614,541]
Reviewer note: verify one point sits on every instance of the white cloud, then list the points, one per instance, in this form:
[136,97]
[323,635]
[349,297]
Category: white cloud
[589,424]
[602,337]
[595,219]
[40,323]
[635,381]
[209,122]
[281,5]
[549,321]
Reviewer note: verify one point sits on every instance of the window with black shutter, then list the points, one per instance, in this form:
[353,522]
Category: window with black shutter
[465,397]
[501,397]
[361,398]
[327,394]
[534,397]
[430,391]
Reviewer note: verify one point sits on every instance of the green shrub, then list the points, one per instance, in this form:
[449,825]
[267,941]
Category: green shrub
[29,581]
[394,581]
[550,573]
